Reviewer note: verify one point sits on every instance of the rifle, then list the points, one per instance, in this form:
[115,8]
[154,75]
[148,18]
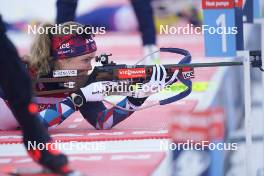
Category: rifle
[133,74]
[110,71]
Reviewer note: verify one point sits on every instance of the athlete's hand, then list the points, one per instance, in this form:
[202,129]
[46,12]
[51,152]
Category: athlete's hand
[156,83]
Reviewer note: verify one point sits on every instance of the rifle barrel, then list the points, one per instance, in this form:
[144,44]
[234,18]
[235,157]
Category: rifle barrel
[213,64]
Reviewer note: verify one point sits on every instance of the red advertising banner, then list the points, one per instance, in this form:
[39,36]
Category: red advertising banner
[131,73]
[200,126]
[218,4]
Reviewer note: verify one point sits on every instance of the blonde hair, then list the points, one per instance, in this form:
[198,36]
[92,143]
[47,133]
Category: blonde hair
[40,51]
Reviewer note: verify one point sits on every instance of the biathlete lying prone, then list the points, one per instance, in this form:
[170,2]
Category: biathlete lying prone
[50,52]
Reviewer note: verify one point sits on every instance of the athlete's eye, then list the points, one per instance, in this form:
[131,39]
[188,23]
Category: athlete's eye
[88,59]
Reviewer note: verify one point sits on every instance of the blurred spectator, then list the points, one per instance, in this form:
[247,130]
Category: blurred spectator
[16,87]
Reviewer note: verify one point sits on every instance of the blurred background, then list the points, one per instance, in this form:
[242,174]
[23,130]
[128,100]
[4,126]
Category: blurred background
[214,111]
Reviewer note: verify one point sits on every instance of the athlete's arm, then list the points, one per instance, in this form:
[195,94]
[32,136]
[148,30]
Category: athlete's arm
[57,113]
[89,101]
[102,118]
[94,112]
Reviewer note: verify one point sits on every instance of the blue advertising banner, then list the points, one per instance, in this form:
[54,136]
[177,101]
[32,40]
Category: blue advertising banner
[220,38]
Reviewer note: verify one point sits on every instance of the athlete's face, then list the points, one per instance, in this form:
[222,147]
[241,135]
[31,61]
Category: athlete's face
[81,63]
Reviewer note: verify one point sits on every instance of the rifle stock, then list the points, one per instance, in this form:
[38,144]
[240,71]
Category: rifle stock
[129,74]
